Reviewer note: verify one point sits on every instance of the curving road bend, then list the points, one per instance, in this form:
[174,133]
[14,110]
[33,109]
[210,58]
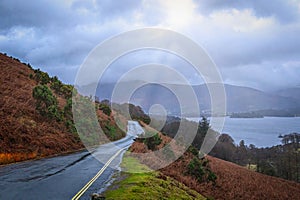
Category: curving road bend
[63,177]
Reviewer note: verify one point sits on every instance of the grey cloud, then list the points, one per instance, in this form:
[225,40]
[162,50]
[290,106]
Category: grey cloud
[108,8]
[33,13]
[231,49]
[49,34]
[285,11]
[266,76]
[47,14]
[56,37]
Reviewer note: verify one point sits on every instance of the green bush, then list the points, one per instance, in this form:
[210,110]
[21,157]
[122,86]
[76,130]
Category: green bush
[70,125]
[60,88]
[193,150]
[212,177]
[56,84]
[199,169]
[196,169]
[46,102]
[44,96]
[152,142]
[41,77]
[67,90]
[53,112]
[105,109]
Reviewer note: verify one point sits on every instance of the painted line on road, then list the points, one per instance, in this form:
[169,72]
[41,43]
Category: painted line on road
[82,191]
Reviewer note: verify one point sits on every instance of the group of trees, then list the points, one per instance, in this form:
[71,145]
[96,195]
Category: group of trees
[152,142]
[281,160]
[172,128]
[54,83]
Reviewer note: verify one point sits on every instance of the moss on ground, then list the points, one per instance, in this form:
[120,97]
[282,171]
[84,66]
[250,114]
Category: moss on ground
[146,184]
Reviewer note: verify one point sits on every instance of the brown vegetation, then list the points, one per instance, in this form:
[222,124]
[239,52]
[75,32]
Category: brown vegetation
[28,129]
[24,133]
[233,181]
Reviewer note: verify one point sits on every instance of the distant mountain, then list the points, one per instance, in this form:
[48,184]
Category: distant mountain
[239,99]
[245,99]
[289,92]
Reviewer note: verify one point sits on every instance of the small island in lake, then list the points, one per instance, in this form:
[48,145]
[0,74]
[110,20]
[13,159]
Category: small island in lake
[246,115]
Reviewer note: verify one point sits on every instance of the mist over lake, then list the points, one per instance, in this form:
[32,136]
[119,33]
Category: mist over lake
[262,132]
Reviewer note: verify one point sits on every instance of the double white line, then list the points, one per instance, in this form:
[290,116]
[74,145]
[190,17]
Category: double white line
[82,191]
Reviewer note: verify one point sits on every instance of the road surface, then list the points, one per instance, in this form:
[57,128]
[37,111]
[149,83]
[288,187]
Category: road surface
[63,177]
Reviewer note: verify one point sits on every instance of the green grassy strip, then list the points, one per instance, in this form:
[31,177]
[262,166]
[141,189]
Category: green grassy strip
[144,184]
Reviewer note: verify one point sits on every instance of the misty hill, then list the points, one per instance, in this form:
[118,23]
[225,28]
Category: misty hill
[290,92]
[239,99]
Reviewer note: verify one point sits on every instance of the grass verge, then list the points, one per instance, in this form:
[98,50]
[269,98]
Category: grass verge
[142,183]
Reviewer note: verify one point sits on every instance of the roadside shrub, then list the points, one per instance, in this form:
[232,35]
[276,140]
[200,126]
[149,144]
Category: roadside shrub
[152,142]
[70,125]
[105,109]
[193,150]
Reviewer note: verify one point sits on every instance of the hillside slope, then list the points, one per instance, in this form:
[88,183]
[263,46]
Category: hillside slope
[236,182]
[233,181]
[25,131]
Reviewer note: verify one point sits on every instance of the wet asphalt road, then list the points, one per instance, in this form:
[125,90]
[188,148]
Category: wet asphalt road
[63,176]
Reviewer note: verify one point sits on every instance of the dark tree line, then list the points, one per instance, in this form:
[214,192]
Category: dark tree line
[280,160]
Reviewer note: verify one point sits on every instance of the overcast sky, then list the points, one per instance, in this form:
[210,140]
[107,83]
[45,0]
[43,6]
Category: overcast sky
[254,43]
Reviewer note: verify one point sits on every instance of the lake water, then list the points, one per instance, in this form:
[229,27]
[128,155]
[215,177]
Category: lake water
[261,132]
